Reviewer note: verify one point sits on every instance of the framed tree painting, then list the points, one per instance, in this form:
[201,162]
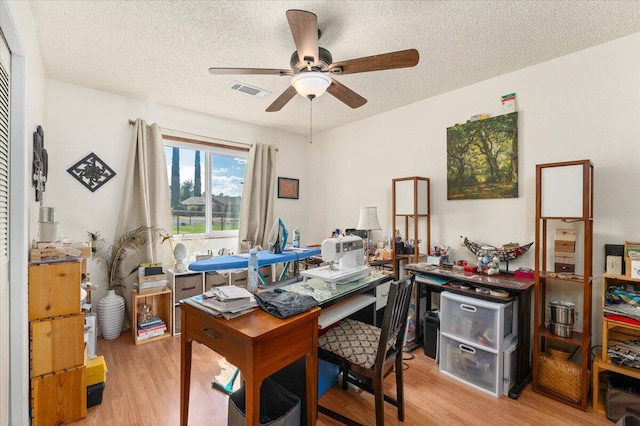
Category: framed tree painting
[482,159]
[288,188]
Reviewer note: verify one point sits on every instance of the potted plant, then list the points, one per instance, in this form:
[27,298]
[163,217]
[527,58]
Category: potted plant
[111,256]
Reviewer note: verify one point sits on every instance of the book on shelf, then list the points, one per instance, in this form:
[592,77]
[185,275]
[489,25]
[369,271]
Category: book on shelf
[152,333]
[153,321]
[152,328]
[152,278]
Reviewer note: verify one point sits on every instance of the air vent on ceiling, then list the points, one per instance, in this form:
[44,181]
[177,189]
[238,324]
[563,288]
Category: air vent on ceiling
[250,90]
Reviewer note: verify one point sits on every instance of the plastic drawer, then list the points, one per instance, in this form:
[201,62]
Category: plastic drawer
[476,321]
[471,365]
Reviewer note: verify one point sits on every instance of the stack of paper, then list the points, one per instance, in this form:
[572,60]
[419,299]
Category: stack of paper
[226,301]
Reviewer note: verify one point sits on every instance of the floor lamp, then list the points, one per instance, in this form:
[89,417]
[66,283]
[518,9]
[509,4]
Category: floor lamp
[368,222]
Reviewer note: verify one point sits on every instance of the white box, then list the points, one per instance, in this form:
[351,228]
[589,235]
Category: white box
[90,334]
[635,269]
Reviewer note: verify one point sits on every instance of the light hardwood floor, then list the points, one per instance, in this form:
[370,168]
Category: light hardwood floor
[143,388]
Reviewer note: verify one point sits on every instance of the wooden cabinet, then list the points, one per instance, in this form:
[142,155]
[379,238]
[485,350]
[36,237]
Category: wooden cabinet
[411,202]
[614,329]
[161,304]
[564,202]
[56,343]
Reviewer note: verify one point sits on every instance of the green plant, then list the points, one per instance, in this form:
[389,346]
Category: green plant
[111,255]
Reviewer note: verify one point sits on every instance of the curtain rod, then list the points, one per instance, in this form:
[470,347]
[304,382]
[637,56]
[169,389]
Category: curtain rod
[248,145]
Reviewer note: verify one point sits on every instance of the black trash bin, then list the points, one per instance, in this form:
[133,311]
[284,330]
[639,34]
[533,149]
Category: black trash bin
[430,329]
[278,406]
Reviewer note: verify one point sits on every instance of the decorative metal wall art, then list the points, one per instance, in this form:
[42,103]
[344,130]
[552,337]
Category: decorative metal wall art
[482,159]
[92,172]
[40,162]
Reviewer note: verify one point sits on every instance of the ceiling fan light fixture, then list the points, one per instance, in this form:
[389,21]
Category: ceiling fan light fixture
[312,83]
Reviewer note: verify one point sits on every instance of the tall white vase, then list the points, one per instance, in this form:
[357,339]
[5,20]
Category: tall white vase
[111,315]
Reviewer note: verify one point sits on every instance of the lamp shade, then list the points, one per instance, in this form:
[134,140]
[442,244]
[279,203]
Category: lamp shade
[311,83]
[368,219]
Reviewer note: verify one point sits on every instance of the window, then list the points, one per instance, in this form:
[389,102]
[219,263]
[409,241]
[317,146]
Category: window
[196,170]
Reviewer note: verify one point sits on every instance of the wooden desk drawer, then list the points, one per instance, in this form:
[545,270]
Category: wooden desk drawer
[206,331]
[188,285]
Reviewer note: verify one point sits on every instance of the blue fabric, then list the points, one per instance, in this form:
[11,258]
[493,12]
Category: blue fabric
[265,258]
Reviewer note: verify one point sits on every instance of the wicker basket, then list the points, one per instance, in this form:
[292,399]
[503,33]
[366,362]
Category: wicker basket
[560,376]
[558,353]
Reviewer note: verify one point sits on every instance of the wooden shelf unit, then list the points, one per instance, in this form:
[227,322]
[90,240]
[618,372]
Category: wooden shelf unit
[564,196]
[411,203]
[613,330]
[58,392]
[162,306]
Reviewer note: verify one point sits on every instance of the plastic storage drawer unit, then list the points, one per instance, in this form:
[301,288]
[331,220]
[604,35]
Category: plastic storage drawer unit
[473,344]
[477,321]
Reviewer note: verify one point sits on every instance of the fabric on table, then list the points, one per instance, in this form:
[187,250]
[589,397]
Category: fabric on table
[284,305]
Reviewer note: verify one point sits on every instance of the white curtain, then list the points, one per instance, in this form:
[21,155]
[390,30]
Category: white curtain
[145,202]
[258,195]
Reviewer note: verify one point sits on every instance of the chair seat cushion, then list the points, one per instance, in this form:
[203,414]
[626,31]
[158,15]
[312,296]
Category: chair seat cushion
[354,341]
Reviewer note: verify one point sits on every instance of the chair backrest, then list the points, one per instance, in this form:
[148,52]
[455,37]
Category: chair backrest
[394,324]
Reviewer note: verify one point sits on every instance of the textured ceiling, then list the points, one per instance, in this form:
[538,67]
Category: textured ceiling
[160,51]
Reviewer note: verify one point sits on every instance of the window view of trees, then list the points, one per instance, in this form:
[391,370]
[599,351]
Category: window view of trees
[221,172]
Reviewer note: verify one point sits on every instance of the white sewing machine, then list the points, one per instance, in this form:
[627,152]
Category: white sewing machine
[346,261]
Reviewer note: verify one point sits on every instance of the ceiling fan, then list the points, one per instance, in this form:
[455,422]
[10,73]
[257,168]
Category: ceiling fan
[312,65]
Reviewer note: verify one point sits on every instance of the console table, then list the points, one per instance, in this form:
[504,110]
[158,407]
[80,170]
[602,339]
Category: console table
[431,279]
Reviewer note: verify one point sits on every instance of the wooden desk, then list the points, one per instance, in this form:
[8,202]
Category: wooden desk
[259,344]
[519,289]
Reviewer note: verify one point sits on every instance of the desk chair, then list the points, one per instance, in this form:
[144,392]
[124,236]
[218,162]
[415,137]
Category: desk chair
[366,354]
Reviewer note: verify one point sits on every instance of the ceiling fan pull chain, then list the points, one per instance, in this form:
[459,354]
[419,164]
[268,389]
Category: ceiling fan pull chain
[311,119]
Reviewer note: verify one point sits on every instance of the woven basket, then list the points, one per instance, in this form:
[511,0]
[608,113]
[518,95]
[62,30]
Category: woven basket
[560,376]
[558,353]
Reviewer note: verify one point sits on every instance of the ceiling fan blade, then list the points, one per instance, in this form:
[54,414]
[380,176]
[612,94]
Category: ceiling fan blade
[225,71]
[345,94]
[282,100]
[386,61]
[304,28]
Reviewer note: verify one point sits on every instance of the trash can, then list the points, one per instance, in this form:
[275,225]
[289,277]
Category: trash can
[430,329]
[278,406]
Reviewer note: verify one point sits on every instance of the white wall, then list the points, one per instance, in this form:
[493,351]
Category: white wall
[81,121]
[581,106]
[27,111]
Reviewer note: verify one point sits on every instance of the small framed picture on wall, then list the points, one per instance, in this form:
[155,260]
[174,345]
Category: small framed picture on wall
[288,188]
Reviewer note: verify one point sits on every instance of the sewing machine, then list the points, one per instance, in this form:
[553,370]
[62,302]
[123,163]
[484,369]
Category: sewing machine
[346,261]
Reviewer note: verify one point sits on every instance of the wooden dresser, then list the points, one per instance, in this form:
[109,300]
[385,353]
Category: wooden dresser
[56,344]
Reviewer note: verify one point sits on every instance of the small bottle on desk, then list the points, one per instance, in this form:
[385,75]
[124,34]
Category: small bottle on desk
[252,273]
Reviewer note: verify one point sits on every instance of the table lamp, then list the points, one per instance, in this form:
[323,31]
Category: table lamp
[368,221]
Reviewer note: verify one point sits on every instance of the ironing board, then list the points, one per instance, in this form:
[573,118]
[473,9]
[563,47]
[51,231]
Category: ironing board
[240,261]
